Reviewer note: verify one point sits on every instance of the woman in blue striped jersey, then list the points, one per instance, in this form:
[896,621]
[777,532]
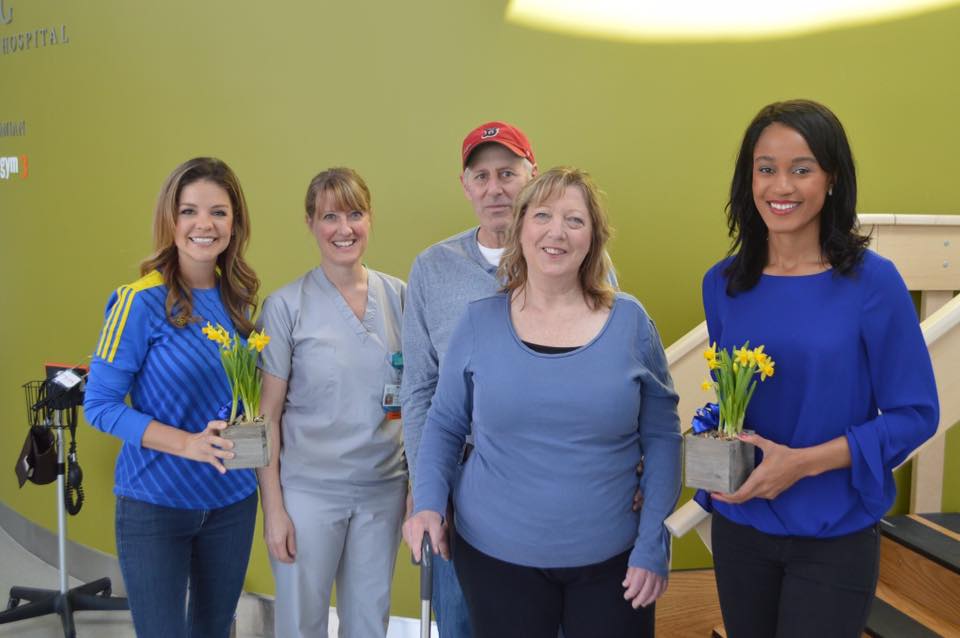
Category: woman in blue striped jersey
[182,521]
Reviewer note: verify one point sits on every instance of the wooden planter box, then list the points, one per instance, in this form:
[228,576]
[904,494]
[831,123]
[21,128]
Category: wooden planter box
[251,444]
[716,465]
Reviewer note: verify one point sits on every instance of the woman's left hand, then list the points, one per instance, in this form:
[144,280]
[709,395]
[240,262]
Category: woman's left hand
[780,468]
[643,586]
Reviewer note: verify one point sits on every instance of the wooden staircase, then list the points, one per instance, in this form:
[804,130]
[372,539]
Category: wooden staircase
[918,595]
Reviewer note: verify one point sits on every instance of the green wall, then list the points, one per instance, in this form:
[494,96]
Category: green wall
[282,90]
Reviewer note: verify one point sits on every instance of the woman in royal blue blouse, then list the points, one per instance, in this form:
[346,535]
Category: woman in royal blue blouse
[796,547]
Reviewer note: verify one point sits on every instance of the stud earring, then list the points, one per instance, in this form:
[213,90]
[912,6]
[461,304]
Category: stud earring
[830,191]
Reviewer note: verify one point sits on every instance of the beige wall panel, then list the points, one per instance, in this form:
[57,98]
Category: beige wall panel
[928,257]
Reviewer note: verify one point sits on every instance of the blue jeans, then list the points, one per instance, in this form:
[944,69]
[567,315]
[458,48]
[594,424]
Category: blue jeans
[449,606]
[164,551]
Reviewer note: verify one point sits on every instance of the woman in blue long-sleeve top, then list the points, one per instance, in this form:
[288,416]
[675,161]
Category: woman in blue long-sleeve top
[184,523]
[566,385]
[796,547]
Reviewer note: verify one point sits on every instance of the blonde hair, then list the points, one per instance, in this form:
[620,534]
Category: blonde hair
[238,282]
[345,185]
[594,272]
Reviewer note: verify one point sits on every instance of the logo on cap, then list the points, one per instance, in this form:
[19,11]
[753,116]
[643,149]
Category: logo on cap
[489,132]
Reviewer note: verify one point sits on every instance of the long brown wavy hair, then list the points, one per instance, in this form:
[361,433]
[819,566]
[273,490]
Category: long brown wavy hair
[238,282]
[594,273]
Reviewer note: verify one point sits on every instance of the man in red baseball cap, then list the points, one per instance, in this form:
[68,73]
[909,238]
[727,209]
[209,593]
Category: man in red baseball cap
[496,161]
[497,133]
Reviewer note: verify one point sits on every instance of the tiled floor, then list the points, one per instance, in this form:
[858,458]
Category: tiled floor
[20,567]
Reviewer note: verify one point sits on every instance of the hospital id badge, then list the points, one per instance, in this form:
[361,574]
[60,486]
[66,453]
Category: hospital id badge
[391,397]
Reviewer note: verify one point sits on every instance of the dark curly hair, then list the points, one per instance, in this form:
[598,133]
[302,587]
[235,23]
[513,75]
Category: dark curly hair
[840,240]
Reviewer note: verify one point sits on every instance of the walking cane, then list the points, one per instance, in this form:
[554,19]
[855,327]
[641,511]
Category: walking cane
[426,585]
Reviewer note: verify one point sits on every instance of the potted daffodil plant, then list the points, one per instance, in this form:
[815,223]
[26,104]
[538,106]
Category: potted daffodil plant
[714,457]
[246,426]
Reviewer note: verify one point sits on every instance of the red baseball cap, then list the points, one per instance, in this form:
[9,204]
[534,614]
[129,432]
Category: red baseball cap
[499,133]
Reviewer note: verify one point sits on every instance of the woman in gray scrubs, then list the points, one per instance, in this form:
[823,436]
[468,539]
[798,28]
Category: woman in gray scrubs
[334,492]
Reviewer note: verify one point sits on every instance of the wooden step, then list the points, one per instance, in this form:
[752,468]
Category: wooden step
[891,623]
[919,586]
[949,521]
[934,536]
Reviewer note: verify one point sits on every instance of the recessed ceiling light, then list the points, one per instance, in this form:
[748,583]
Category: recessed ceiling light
[707,19]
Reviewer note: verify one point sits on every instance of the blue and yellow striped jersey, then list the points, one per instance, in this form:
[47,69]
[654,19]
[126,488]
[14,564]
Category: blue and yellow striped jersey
[171,375]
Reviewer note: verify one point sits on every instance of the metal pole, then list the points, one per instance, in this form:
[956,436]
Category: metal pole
[426,584]
[61,506]
[424,619]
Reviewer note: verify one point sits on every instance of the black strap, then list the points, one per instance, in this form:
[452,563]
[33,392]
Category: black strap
[73,488]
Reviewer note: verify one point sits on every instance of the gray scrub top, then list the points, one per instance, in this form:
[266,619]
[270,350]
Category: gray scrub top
[334,426]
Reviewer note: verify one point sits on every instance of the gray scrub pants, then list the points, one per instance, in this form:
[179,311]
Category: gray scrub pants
[348,534]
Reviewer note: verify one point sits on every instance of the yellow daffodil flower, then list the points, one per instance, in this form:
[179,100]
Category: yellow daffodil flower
[218,334]
[258,341]
[766,370]
[240,366]
[210,332]
[710,354]
[742,356]
[733,388]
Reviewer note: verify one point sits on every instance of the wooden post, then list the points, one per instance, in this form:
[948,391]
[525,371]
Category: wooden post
[926,491]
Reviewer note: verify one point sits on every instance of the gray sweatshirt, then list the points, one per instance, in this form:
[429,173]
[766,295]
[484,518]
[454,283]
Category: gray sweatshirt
[443,280]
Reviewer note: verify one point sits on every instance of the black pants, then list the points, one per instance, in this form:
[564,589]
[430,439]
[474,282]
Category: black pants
[793,586]
[507,600]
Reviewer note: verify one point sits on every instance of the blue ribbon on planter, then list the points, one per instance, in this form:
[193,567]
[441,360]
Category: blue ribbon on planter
[224,413]
[702,497]
[706,418]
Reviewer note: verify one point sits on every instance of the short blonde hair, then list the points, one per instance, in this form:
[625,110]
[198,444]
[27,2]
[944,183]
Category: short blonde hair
[594,273]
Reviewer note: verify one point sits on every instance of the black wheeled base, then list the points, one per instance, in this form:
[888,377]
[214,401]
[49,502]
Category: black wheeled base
[40,602]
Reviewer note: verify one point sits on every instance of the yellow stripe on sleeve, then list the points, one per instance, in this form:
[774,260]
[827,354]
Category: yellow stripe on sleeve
[123,322]
[111,324]
[113,328]
[106,323]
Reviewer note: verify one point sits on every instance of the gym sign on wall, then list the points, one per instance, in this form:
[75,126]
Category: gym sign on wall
[33,39]
[15,166]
